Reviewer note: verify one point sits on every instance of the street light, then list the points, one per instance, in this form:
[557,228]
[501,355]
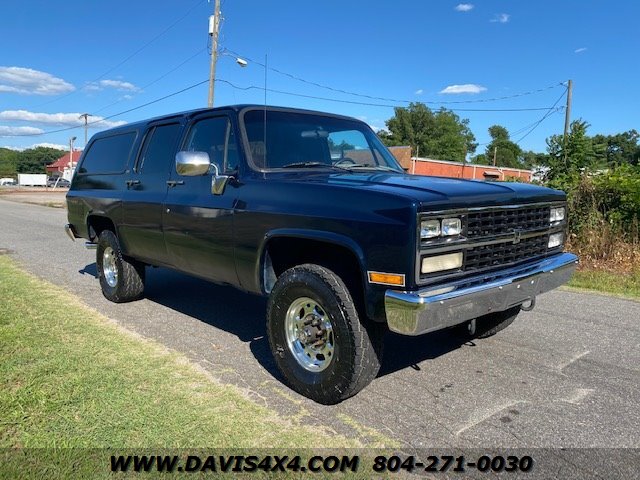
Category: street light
[71,140]
[243,63]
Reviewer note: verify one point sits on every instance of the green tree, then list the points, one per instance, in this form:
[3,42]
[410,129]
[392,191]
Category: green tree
[620,148]
[531,159]
[567,162]
[34,160]
[8,162]
[507,153]
[480,159]
[441,135]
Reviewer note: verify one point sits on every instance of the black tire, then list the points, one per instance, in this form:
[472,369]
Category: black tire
[487,325]
[128,284]
[357,345]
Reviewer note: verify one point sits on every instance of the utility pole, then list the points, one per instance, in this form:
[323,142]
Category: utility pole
[495,154]
[214,29]
[86,122]
[567,118]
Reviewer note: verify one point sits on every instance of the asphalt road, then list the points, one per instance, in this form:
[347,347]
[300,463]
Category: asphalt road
[566,374]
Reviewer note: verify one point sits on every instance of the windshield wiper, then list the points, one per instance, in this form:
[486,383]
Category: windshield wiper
[372,167]
[311,165]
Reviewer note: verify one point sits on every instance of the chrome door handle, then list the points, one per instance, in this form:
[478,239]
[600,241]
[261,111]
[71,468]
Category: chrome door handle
[173,183]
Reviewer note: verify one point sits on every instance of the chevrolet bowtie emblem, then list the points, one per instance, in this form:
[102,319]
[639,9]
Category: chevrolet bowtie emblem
[517,236]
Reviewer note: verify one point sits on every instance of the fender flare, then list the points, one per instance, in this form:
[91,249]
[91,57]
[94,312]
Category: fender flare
[307,234]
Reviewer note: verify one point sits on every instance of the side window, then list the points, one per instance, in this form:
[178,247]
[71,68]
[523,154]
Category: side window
[158,149]
[108,154]
[214,136]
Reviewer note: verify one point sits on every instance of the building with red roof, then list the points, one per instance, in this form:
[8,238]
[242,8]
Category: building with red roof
[57,168]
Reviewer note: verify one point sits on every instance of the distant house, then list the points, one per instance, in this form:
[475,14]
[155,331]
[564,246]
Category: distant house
[58,167]
[443,168]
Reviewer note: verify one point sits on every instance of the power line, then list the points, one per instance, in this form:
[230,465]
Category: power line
[157,79]
[353,102]
[371,97]
[253,87]
[522,129]
[544,117]
[111,116]
[129,57]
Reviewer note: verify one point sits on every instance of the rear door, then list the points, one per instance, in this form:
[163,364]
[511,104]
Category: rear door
[145,191]
[198,225]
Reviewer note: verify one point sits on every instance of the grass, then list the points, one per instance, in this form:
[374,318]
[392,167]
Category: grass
[621,284]
[70,379]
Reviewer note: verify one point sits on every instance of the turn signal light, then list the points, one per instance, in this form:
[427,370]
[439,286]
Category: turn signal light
[387,278]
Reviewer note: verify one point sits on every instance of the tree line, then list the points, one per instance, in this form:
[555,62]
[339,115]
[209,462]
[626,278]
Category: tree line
[443,135]
[31,160]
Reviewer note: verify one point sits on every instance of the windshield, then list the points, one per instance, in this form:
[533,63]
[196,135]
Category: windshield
[305,140]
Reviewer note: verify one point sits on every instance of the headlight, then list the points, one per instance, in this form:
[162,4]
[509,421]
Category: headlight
[555,240]
[557,214]
[446,227]
[451,226]
[430,229]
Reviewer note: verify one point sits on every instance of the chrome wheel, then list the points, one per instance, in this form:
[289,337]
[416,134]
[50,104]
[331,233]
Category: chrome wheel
[109,267]
[309,334]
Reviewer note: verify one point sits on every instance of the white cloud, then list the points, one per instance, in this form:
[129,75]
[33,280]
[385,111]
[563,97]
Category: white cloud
[50,145]
[59,119]
[580,50]
[466,88]
[119,85]
[419,91]
[36,145]
[26,81]
[464,7]
[500,18]
[6,131]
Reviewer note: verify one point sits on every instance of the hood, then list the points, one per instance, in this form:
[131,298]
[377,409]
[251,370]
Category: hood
[432,193]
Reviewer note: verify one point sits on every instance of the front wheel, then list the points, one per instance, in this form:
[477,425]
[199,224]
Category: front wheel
[121,279]
[320,345]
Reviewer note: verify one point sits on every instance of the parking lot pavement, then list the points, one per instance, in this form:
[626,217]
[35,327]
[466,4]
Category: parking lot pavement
[564,375]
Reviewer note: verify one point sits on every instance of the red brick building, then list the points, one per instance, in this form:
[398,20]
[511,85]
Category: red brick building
[59,165]
[442,168]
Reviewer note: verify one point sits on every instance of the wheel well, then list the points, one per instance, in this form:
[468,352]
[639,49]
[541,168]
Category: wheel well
[283,253]
[97,224]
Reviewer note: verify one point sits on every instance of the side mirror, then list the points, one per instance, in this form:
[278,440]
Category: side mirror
[192,164]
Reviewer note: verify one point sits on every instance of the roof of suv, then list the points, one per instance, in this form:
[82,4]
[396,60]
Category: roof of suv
[236,108]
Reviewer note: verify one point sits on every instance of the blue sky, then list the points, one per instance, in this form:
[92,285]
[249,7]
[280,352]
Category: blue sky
[59,59]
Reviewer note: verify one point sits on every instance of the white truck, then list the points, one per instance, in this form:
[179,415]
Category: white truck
[7,181]
[32,179]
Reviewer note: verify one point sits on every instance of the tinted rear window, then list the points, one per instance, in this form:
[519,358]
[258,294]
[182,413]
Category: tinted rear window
[108,154]
[159,149]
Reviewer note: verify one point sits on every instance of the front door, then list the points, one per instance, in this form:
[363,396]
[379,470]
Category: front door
[198,225]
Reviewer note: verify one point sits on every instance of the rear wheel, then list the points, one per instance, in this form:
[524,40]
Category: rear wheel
[487,325]
[121,279]
[320,345]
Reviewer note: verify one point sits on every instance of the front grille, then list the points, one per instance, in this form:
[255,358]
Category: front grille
[488,256]
[489,223]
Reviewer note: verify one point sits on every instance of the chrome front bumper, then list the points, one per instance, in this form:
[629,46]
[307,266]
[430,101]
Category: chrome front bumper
[442,306]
